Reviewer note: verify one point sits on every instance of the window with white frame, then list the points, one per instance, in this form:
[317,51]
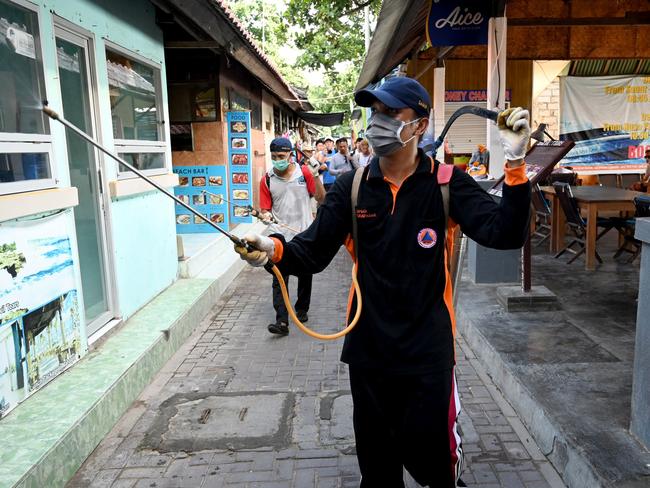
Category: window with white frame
[136,110]
[25,141]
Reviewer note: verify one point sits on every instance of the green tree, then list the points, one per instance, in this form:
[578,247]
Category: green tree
[330,34]
[266,23]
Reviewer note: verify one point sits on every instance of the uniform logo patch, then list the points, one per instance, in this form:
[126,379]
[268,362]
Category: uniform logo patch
[427,238]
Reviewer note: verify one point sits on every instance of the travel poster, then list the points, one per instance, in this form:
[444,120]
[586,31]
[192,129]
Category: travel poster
[41,332]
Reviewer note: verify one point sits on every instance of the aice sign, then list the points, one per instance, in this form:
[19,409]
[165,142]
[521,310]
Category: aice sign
[456,18]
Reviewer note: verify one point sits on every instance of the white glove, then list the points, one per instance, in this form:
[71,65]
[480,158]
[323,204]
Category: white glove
[314,166]
[267,217]
[514,132]
[264,247]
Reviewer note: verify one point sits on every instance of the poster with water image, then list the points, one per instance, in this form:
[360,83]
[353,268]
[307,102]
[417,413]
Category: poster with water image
[41,332]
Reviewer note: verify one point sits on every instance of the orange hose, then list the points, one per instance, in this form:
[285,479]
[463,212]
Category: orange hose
[303,327]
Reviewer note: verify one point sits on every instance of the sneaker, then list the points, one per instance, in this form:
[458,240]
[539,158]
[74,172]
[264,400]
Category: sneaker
[280,328]
[460,483]
[302,316]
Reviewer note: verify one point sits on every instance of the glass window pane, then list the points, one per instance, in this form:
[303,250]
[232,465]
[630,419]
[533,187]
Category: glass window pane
[133,88]
[21,72]
[24,166]
[205,104]
[143,161]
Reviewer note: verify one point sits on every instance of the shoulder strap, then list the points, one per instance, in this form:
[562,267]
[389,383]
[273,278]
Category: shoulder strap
[444,174]
[354,198]
[267,178]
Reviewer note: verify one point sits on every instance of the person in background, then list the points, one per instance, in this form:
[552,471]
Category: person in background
[341,161]
[315,164]
[355,149]
[285,193]
[328,178]
[477,167]
[363,156]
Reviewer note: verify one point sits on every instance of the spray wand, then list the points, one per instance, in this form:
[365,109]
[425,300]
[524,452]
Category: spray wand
[255,213]
[236,240]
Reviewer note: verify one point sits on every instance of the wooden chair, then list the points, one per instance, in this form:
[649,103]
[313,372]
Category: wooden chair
[578,224]
[542,216]
[630,243]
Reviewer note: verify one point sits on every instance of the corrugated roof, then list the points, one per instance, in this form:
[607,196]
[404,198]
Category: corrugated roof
[604,67]
[223,5]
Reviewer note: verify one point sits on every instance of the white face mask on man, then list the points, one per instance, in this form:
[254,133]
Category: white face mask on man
[384,133]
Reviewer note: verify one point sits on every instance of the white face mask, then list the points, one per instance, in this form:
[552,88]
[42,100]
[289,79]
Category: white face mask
[384,134]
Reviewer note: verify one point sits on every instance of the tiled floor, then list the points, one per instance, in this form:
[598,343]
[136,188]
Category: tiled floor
[311,443]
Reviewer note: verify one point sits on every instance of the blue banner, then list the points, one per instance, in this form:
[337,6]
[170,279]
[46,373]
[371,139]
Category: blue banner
[239,164]
[458,23]
[204,188]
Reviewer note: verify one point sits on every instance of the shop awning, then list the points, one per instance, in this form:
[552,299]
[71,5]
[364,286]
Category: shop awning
[400,30]
[324,120]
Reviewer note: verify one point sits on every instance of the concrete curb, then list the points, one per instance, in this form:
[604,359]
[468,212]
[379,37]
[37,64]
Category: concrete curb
[566,456]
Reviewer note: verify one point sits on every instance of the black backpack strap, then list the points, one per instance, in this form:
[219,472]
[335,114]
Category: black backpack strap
[354,198]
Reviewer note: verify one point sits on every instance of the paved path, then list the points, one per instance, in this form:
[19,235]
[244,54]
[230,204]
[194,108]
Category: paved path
[238,407]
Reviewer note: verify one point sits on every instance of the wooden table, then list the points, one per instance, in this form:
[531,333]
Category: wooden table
[593,199]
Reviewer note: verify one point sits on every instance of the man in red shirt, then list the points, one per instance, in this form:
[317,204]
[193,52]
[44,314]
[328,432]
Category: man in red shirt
[285,193]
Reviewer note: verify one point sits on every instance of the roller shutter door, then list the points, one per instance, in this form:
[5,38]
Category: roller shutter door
[468,131]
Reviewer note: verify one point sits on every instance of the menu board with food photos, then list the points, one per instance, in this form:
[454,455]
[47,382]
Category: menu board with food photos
[204,188]
[239,164]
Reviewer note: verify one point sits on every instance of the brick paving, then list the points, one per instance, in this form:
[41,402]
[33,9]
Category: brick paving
[312,445]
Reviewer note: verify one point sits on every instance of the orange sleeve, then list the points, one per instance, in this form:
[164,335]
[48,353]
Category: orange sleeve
[279,250]
[516,176]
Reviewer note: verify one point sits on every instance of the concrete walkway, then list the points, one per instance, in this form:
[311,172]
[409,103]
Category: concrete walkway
[238,407]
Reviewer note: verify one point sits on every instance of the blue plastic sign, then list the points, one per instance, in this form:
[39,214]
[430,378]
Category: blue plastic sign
[204,188]
[458,23]
[239,164]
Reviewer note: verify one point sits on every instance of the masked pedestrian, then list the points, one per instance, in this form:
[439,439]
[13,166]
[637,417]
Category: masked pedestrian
[285,193]
[401,352]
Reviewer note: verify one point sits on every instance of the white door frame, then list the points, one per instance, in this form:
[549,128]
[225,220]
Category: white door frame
[69,32]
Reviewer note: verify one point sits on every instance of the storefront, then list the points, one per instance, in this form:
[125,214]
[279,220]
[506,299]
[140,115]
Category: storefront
[83,244]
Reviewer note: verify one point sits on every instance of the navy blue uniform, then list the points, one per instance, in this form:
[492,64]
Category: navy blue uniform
[406,328]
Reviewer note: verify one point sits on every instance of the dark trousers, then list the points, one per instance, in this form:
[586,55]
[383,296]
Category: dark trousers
[302,303]
[406,421]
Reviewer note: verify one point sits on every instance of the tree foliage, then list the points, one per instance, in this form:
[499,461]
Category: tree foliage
[330,34]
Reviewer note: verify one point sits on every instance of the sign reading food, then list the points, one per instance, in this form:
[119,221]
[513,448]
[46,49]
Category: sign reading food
[239,162]
[204,188]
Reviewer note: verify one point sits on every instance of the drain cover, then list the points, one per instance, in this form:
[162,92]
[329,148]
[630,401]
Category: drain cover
[193,422]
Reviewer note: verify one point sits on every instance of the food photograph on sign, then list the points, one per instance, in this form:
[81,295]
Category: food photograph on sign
[240,178]
[217,218]
[198,181]
[216,199]
[240,194]
[238,143]
[215,180]
[238,127]
[199,220]
[183,219]
[241,211]
[198,199]
[240,159]
[183,198]
[183,181]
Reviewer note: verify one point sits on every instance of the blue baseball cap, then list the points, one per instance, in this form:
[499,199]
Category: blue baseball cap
[281,144]
[398,92]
